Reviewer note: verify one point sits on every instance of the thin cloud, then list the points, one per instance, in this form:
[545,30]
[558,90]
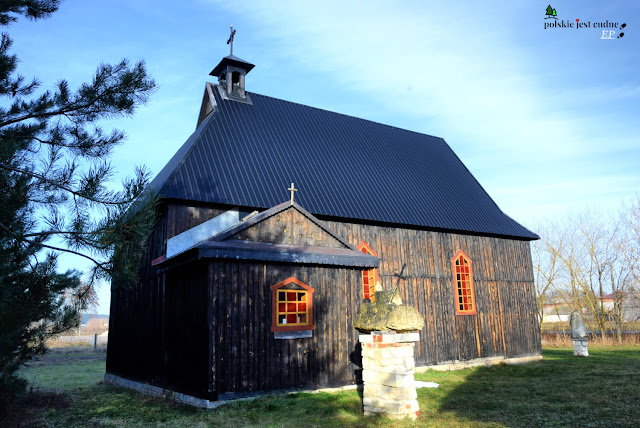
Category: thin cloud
[489,96]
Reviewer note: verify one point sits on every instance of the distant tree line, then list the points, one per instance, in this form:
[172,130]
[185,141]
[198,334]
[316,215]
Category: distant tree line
[586,256]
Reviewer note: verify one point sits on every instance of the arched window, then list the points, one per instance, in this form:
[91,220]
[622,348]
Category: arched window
[369,276]
[292,306]
[463,284]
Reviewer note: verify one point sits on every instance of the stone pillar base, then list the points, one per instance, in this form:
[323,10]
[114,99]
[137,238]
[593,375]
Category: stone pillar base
[388,369]
[580,347]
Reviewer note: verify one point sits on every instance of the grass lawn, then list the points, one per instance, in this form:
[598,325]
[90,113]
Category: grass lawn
[561,390]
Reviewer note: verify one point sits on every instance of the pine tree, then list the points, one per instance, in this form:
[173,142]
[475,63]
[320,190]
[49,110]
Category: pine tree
[54,196]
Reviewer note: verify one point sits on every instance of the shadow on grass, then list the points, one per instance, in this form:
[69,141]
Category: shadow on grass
[113,406]
[561,390]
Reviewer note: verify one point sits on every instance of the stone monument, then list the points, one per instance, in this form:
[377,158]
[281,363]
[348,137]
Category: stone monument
[579,335]
[388,365]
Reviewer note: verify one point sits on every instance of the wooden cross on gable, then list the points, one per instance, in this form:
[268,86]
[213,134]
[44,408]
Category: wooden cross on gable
[292,189]
[230,41]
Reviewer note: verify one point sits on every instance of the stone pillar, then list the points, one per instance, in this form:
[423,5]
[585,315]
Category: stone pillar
[580,347]
[388,369]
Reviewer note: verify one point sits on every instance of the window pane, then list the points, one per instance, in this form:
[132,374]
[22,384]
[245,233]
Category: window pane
[302,318]
[291,318]
[282,307]
[463,285]
[302,307]
[281,296]
[302,297]
[282,319]
[291,307]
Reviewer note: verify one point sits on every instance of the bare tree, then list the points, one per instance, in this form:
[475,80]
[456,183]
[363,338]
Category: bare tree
[545,264]
[585,256]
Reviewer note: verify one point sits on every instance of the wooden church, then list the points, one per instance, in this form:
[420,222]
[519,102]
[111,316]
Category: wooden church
[251,285]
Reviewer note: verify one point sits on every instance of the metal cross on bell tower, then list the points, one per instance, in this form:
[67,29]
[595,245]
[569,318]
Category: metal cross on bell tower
[230,41]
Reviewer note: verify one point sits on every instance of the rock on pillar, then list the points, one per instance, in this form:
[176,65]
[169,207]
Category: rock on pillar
[388,369]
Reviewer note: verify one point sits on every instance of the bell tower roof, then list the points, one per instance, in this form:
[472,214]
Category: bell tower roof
[231,60]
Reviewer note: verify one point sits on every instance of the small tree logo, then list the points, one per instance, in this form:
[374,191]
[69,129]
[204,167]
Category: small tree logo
[551,13]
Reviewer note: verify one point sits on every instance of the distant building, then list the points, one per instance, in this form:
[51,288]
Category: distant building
[556,312]
[630,305]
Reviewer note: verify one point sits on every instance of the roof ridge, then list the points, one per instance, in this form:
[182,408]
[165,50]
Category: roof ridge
[338,113]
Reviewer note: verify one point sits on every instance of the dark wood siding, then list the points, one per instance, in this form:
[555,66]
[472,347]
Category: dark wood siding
[137,347]
[249,358]
[288,227]
[419,263]
[227,308]
[186,334]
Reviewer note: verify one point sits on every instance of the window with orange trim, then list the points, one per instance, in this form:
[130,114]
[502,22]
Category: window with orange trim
[369,276]
[463,284]
[292,306]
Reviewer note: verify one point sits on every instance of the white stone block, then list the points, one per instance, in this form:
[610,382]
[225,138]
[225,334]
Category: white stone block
[405,393]
[581,347]
[402,352]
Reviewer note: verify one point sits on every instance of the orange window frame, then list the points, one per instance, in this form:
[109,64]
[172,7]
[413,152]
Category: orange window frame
[292,308]
[463,287]
[370,276]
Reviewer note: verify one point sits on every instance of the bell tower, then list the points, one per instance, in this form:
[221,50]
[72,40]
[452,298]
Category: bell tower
[231,72]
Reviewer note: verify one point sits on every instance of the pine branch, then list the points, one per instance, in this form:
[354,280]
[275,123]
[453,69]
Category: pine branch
[101,265]
[59,185]
[110,100]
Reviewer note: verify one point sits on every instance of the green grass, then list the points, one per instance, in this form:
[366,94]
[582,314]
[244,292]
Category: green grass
[65,374]
[561,390]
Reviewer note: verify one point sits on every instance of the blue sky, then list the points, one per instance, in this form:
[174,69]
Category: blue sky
[547,120]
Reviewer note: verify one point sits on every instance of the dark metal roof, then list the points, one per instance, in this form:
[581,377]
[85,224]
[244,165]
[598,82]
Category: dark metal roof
[235,249]
[345,167]
[234,61]
[248,250]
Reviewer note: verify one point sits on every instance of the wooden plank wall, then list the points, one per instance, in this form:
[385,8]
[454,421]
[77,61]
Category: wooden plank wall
[185,337]
[134,346]
[135,321]
[249,359]
[419,263]
[288,227]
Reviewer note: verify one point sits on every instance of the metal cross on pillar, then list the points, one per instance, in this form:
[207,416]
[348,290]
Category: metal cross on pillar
[230,41]
[292,189]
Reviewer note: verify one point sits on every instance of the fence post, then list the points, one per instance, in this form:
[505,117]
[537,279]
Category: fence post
[95,342]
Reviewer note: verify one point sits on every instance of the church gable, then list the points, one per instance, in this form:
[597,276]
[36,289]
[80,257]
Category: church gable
[289,226]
